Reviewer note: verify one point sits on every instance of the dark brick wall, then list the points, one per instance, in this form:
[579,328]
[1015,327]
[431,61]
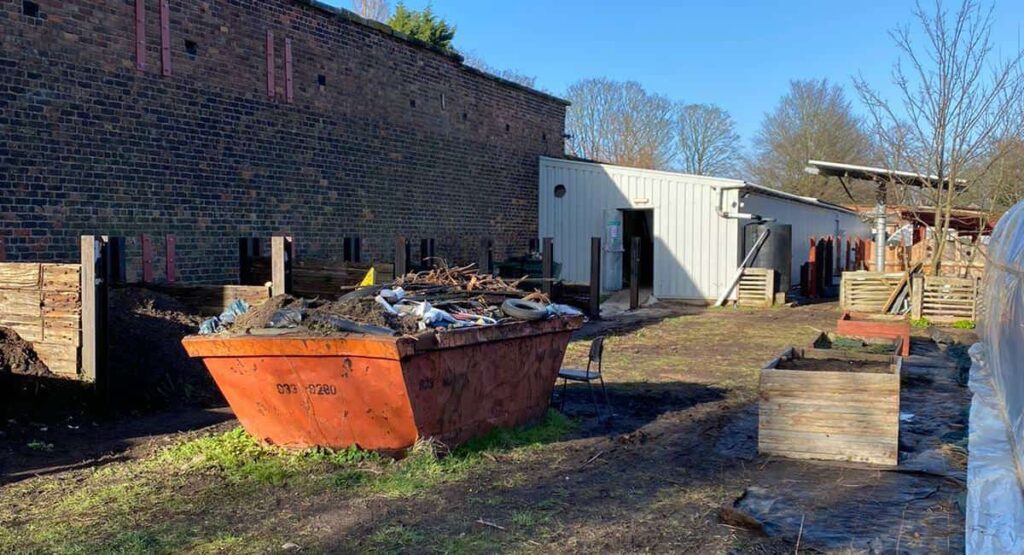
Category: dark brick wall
[400,139]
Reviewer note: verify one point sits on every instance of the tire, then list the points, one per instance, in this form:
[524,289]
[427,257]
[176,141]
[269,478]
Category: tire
[524,310]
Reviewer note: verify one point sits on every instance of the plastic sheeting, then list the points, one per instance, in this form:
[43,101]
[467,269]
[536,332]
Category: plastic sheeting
[995,504]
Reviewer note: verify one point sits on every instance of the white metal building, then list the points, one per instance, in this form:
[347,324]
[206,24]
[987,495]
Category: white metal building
[693,224]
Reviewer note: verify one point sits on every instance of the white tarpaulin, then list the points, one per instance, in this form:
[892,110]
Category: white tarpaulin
[995,475]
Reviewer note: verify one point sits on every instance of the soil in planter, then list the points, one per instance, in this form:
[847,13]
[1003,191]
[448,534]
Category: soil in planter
[835,365]
[854,345]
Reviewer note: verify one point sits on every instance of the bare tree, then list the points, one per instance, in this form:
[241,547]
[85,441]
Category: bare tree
[812,121]
[472,60]
[707,140]
[1003,185]
[377,10]
[620,123]
[955,100]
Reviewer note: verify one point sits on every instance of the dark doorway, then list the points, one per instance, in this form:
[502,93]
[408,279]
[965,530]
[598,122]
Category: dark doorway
[638,223]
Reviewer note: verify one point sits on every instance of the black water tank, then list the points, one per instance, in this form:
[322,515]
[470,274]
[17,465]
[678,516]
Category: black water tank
[776,252]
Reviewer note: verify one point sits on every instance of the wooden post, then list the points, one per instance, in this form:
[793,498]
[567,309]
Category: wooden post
[485,265]
[548,265]
[280,265]
[248,249]
[3,249]
[147,258]
[812,274]
[116,248]
[401,257]
[595,278]
[426,253]
[916,297]
[634,274]
[95,268]
[170,266]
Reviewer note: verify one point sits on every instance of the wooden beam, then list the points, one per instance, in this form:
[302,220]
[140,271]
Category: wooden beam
[634,274]
[280,262]
[95,265]
[147,258]
[485,265]
[548,265]
[171,266]
[401,256]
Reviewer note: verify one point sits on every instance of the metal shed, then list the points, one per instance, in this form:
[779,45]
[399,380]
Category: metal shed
[691,226]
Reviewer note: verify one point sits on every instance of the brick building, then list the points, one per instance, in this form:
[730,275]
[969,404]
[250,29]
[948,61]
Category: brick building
[218,119]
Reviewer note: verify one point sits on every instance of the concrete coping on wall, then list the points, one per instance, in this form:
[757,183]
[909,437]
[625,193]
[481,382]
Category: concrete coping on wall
[454,56]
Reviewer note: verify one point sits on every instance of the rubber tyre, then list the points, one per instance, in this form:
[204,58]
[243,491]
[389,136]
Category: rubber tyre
[524,310]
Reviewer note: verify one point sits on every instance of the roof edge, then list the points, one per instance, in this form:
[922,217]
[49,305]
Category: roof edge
[413,41]
[584,161]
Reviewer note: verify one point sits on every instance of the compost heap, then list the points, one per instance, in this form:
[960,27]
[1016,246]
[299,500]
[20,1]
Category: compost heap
[18,357]
[440,299]
[148,364]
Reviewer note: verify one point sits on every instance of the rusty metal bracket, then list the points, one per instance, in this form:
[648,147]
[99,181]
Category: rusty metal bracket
[165,38]
[270,63]
[289,90]
[140,34]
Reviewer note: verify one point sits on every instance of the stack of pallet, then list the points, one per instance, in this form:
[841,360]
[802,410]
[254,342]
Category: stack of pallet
[43,304]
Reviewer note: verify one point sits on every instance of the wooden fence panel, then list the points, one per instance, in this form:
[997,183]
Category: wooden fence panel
[948,299]
[867,292]
[42,302]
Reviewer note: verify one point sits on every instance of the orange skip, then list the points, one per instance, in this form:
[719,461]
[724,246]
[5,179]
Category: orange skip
[382,393]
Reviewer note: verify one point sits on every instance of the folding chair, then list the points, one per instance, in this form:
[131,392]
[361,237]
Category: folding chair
[588,376]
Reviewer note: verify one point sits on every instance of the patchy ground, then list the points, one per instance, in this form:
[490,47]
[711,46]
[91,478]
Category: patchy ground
[675,470]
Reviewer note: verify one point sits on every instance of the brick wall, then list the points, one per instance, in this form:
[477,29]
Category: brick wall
[383,136]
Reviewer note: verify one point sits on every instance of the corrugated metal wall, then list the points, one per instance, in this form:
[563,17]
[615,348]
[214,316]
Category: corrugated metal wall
[695,251]
[806,220]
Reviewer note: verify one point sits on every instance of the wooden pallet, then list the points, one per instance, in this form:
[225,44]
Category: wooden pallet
[756,287]
[867,292]
[841,416]
[42,302]
[945,299]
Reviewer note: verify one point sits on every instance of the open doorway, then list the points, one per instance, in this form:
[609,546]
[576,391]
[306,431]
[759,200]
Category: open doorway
[638,223]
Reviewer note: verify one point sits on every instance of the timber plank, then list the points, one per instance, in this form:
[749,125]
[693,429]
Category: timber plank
[19,275]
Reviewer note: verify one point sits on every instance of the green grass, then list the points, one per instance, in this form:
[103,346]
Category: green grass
[964,324]
[189,496]
[394,538]
[920,323]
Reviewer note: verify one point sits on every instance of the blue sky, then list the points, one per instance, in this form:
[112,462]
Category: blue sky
[739,55]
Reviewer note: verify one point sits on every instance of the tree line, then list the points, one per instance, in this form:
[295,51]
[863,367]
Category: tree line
[958,114]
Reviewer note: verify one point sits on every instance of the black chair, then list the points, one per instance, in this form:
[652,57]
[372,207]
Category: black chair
[588,376]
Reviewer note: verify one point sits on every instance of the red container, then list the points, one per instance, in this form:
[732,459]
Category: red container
[875,328]
[382,393]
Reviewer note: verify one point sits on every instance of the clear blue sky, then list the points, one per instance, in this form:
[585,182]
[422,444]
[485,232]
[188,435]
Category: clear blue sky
[739,55]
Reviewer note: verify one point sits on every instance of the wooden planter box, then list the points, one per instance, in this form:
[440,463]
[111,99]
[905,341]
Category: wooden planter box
[876,327]
[829,408]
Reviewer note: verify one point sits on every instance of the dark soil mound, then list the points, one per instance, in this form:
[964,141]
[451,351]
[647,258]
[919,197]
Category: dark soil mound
[18,357]
[149,368]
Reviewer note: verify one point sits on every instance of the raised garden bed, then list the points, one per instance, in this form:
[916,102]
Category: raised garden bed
[830,408]
[834,345]
[874,328]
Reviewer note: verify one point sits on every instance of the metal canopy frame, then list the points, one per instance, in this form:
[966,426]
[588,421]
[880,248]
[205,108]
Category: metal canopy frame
[882,178]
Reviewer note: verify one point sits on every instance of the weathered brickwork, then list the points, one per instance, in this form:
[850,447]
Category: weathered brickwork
[383,136]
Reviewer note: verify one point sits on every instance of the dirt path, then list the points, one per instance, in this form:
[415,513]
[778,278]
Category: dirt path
[656,477]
